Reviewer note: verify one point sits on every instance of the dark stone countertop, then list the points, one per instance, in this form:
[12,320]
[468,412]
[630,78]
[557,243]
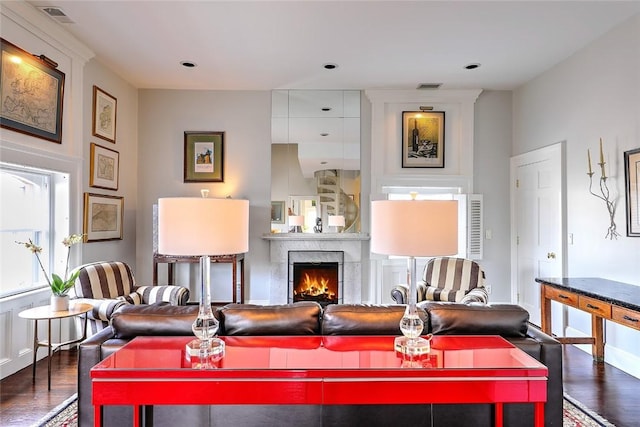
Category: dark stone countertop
[618,293]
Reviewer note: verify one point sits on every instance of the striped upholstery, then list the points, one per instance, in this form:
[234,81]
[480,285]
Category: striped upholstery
[450,279]
[447,279]
[109,285]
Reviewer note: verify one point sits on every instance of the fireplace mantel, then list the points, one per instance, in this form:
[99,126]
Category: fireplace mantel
[316,236]
[350,243]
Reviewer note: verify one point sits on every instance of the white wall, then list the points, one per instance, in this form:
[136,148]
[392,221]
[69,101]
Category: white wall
[492,149]
[127,147]
[245,117]
[594,94]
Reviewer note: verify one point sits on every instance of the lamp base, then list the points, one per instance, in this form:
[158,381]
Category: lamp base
[412,346]
[215,348]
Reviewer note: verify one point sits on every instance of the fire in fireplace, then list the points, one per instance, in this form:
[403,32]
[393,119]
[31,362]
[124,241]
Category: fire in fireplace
[315,282]
[316,276]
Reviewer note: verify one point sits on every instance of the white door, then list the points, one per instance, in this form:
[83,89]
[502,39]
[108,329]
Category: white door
[537,218]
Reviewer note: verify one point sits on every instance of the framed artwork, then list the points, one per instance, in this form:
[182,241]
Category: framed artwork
[102,217]
[203,156]
[278,213]
[423,139]
[105,108]
[632,174]
[31,94]
[105,167]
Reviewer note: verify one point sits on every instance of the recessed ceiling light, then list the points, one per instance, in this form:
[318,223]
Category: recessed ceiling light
[330,66]
[188,64]
[472,66]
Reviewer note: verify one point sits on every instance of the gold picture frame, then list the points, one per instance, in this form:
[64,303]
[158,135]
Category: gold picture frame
[632,174]
[423,139]
[103,217]
[105,110]
[104,168]
[31,93]
[203,156]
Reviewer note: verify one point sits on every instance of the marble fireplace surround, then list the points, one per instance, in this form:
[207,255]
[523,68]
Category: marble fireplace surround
[350,243]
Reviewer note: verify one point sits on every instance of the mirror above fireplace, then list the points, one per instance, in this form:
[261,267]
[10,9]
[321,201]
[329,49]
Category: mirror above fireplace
[315,155]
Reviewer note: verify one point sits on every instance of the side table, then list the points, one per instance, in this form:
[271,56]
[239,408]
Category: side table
[46,313]
[234,260]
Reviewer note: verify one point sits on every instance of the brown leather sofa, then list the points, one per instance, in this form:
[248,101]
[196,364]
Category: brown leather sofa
[308,318]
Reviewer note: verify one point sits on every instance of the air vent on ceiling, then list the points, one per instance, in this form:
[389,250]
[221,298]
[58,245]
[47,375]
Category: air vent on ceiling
[57,14]
[429,85]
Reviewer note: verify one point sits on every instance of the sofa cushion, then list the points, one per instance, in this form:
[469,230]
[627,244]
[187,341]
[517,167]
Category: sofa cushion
[129,321]
[507,320]
[363,319]
[300,318]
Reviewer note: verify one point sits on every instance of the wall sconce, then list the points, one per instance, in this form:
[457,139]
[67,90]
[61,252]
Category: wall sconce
[604,193]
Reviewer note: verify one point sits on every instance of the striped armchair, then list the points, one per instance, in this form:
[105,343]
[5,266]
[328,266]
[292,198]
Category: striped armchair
[447,279]
[109,285]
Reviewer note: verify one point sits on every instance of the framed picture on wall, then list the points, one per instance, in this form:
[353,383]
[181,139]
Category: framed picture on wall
[632,174]
[203,156]
[31,93]
[278,214]
[105,167]
[103,217]
[423,139]
[105,109]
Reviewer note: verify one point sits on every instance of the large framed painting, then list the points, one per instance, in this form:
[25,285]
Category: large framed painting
[105,167]
[105,109]
[103,217]
[203,156]
[31,93]
[632,174]
[423,139]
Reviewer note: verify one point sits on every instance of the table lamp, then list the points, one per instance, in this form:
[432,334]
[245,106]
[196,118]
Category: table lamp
[336,221]
[414,228]
[296,222]
[191,226]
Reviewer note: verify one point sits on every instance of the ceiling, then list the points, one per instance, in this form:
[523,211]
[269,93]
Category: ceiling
[264,45]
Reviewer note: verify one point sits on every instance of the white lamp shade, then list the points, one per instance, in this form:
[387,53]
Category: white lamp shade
[417,228]
[336,221]
[190,226]
[295,220]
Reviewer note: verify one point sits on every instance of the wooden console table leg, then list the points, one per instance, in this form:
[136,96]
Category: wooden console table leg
[234,279]
[597,330]
[545,315]
[242,280]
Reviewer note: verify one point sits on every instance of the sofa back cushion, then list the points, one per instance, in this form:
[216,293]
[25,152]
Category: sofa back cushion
[300,318]
[507,320]
[130,321]
[362,319]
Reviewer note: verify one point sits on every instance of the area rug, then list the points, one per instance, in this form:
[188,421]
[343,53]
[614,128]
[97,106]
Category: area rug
[575,414]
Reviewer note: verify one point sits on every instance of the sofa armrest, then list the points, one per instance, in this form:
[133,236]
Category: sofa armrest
[173,294]
[89,354]
[399,293]
[102,309]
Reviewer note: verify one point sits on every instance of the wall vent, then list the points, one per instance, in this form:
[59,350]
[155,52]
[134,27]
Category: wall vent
[475,241]
[57,14]
[429,86]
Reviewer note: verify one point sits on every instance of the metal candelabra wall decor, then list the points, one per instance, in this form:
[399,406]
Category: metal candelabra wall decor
[604,194]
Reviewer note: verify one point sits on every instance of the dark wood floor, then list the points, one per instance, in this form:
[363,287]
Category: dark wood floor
[601,387]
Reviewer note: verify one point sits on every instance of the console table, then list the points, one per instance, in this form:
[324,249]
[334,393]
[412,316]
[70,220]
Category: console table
[171,260]
[603,299]
[317,370]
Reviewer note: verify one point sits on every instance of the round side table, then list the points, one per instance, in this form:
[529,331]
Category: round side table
[46,313]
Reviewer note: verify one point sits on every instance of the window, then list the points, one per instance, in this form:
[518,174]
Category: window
[34,203]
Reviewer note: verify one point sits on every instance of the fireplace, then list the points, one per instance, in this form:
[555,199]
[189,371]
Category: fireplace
[316,276]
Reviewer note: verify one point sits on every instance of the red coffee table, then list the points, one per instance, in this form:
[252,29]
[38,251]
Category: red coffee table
[331,370]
